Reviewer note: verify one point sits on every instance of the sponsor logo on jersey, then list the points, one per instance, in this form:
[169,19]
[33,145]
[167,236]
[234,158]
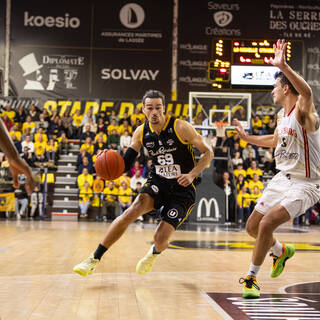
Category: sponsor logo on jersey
[155,188]
[289,131]
[172,213]
[162,150]
[170,142]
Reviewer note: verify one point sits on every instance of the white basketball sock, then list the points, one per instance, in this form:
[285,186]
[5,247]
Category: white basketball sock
[253,270]
[276,249]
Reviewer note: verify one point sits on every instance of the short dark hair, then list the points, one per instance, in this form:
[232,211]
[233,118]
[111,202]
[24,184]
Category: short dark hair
[284,81]
[154,94]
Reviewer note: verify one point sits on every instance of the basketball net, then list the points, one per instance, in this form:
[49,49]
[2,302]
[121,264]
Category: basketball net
[220,128]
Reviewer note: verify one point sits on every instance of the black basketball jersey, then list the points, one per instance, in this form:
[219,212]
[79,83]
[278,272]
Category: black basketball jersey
[170,155]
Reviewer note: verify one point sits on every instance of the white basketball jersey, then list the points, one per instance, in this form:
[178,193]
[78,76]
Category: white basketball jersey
[297,152]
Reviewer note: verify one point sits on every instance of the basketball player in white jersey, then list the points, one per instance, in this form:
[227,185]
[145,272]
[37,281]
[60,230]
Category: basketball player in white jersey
[297,186]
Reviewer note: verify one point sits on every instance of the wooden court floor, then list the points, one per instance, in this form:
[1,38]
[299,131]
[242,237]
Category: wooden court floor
[37,282]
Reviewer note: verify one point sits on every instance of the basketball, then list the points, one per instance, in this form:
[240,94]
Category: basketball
[109,165]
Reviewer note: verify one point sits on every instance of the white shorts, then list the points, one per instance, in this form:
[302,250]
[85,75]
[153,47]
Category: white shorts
[295,195]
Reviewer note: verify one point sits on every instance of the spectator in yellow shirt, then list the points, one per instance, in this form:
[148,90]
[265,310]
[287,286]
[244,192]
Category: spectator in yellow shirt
[84,176]
[239,171]
[39,146]
[42,134]
[125,126]
[123,177]
[265,119]
[255,195]
[85,196]
[255,182]
[98,186]
[253,169]
[137,115]
[256,122]
[14,130]
[51,150]
[88,146]
[243,204]
[113,126]
[110,201]
[63,143]
[10,113]
[5,162]
[102,135]
[124,196]
[28,124]
[77,123]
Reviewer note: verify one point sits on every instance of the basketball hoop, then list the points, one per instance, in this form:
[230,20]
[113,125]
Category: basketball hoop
[220,128]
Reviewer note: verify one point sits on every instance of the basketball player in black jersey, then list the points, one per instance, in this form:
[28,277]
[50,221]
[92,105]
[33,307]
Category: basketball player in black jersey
[170,187]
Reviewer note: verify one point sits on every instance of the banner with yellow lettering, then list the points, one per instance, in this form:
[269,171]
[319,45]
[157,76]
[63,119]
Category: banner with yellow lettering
[7,202]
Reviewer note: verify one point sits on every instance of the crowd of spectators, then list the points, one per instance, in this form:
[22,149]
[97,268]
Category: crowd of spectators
[40,137]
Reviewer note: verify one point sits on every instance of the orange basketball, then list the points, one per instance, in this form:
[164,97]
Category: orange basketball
[109,165]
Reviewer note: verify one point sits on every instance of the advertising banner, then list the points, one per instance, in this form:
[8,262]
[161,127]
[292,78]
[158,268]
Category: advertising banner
[207,29]
[210,200]
[91,49]
[132,48]
[129,78]
[116,49]
[51,72]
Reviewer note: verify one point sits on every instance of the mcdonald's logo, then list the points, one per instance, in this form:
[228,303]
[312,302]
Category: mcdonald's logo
[208,216]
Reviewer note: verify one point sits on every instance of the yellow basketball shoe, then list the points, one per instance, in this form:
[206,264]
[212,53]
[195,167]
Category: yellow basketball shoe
[280,262]
[146,263]
[250,289]
[86,266]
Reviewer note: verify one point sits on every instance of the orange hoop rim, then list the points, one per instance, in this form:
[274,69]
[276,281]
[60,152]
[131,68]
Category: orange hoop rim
[220,124]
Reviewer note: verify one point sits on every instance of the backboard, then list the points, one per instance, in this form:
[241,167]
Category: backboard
[206,109]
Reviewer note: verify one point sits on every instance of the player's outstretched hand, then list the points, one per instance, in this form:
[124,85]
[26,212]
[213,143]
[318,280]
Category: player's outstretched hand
[185,179]
[242,133]
[279,59]
[19,166]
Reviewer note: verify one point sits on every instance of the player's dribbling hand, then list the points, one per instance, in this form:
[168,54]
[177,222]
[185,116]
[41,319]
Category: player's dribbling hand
[185,179]
[242,134]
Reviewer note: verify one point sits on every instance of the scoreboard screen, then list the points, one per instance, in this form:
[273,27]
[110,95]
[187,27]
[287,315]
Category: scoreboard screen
[243,63]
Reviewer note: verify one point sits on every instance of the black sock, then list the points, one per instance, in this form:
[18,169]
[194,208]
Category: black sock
[155,251]
[99,252]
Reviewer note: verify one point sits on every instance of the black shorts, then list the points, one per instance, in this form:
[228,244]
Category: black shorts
[174,201]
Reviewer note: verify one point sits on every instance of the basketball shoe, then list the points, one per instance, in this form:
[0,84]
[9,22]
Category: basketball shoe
[250,289]
[86,266]
[279,262]
[146,263]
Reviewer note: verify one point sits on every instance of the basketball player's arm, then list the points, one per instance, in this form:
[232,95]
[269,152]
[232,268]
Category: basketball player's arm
[188,134]
[305,100]
[16,164]
[268,140]
[133,150]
